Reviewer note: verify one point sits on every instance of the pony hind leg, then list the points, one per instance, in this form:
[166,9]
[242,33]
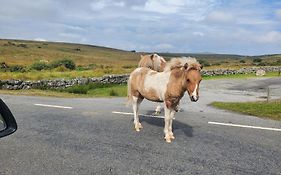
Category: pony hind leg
[170,129]
[136,102]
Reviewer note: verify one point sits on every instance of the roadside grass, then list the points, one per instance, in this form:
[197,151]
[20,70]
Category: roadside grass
[271,110]
[240,76]
[97,90]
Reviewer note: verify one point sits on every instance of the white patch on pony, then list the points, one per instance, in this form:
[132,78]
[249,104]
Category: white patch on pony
[194,93]
[138,69]
[157,82]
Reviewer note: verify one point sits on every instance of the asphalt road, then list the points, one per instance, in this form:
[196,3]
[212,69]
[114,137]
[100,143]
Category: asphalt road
[89,139]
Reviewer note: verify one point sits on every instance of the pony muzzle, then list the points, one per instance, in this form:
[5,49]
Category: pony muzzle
[194,98]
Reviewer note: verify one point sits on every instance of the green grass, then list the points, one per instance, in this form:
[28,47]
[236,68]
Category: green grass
[98,90]
[240,76]
[50,74]
[270,110]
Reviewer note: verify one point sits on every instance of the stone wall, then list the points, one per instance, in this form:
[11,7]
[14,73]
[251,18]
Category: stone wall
[118,79]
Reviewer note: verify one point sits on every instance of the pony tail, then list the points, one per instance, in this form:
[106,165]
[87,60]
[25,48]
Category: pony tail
[129,95]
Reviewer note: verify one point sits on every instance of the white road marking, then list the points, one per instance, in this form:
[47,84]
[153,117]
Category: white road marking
[53,106]
[144,115]
[244,126]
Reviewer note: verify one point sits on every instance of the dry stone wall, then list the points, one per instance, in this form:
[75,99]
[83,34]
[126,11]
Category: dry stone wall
[117,79]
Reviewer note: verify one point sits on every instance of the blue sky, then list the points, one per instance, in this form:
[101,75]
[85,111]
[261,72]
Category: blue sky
[250,27]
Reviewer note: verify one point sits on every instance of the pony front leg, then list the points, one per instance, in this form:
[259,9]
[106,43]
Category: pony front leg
[136,102]
[167,131]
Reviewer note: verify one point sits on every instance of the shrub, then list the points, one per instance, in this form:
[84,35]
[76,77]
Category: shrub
[129,66]
[68,63]
[204,63]
[112,92]
[39,66]
[61,69]
[16,68]
[242,61]
[257,60]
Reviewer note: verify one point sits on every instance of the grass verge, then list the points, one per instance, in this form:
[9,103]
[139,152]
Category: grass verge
[97,90]
[270,110]
[240,76]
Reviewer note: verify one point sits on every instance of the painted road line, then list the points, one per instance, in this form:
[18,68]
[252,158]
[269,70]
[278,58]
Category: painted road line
[53,106]
[244,126]
[144,115]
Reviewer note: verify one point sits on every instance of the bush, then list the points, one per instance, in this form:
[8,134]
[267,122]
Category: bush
[68,63]
[257,60]
[61,69]
[204,63]
[242,61]
[39,66]
[16,68]
[112,92]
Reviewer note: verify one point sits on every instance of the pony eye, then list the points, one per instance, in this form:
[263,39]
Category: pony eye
[188,80]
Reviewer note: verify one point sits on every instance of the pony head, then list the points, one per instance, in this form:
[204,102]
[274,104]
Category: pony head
[191,76]
[193,79]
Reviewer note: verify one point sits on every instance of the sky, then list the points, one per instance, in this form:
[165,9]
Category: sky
[245,27]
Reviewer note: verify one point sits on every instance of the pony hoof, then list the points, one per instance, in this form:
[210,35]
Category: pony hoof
[157,113]
[140,126]
[168,139]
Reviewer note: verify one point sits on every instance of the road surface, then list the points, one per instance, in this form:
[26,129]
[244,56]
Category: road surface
[84,136]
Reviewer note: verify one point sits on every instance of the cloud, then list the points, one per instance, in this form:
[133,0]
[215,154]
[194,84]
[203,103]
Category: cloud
[163,6]
[278,13]
[163,47]
[39,39]
[241,27]
[270,37]
[198,34]
[220,17]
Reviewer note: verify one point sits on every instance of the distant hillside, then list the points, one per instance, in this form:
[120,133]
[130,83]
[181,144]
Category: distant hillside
[22,52]
[26,52]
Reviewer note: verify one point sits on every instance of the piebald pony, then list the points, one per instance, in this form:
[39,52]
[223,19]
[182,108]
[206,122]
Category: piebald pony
[180,75]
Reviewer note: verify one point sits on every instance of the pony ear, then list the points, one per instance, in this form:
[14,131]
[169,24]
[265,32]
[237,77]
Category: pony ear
[151,56]
[185,66]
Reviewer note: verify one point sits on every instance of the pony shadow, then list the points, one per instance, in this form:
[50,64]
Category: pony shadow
[177,125]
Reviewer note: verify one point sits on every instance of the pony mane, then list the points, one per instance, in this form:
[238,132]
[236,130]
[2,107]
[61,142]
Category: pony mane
[181,62]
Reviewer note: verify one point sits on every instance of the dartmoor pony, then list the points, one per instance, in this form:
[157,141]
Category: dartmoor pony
[154,62]
[180,75]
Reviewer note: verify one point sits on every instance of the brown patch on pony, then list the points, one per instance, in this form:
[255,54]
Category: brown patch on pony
[175,88]
[137,81]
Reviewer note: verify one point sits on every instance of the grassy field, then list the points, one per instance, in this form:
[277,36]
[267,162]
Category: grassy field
[98,90]
[270,110]
[95,61]
[21,52]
